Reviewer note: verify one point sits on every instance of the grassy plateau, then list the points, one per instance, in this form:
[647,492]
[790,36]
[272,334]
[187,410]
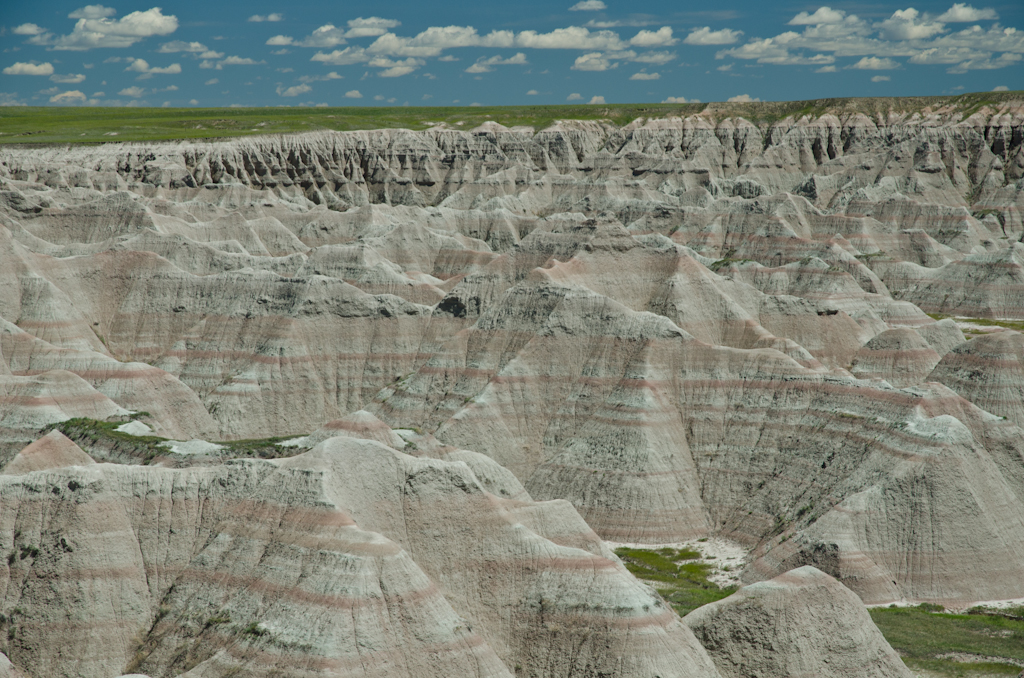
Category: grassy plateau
[82,125]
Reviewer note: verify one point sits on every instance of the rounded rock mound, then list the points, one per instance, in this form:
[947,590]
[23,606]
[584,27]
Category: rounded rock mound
[801,624]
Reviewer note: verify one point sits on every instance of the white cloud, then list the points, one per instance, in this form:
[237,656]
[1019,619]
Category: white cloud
[93,12]
[194,102]
[573,37]
[798,60]
[280,40]
[1000,88]
[486,65]
[326,36]
[659,38]
[742,99]
[680,100]
[822,15]
[95,32]
[147,71]
[133,92]
[212,81]
[28,29]
[1005,59]
[826,69]
[434,40]
[594,61]
[658,58]
[314,78]
[573,97]
[69,79]
[706,36]
[875,64]
[353,94]
[72,97]
[343,57]
[10,99]
[22,68]
[881,78]
[532,93]
[448,57]
[946,55]
[369,27]
[596,100]
[293,91]
[588,6]
[182,46]
[645,76]
[726,67]
[904,25]
[232,61]
[907,33]
[400,69]
[964,13]
[270,17]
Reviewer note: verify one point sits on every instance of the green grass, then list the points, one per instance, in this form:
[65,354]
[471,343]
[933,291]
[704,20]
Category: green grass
[677,575]
[921,635]
[982,322]
[55,125]
[103,439]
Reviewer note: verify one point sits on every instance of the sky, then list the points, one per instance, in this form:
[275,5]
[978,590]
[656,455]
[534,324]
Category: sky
[464,53]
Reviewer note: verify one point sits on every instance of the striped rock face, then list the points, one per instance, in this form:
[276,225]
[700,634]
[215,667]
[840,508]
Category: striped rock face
[352,559]
[827,631]
[492,349]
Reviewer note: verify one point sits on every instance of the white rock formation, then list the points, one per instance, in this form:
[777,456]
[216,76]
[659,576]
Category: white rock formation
[801,623]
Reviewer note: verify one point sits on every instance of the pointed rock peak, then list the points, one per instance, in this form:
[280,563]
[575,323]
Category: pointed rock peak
[54,450]
[360,424]
[489,127]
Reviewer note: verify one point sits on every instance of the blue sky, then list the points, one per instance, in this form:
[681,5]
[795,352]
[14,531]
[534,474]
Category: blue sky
[463,53]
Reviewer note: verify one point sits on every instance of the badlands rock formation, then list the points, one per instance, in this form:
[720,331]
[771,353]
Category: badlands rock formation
[801,623]
[352,559]
[503,344]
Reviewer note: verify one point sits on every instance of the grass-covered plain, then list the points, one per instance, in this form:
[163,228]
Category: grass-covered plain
[57,125]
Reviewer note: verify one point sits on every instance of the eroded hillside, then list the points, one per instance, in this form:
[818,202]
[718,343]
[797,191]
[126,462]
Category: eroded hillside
[501,346]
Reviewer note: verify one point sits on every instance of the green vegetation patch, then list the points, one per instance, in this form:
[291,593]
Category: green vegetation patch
[925,638]
[106,443]
[677,574]
[1017,325]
